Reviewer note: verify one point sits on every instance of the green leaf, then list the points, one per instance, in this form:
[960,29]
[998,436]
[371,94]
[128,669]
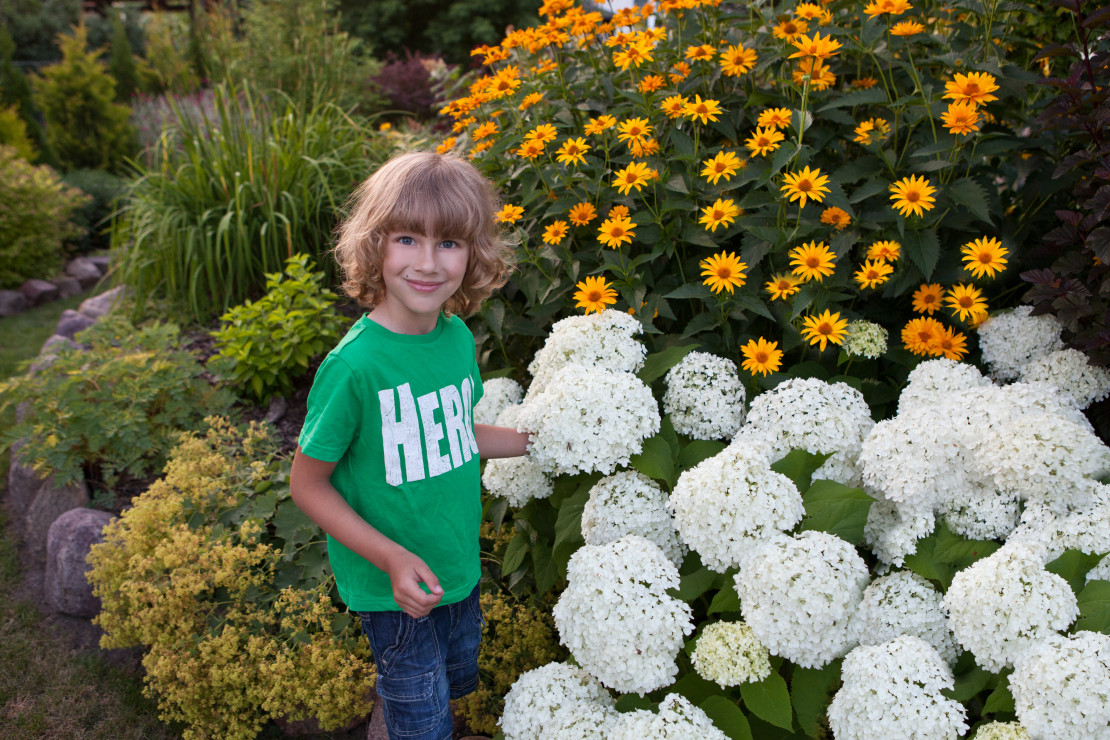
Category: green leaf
[568,527]
[943,553]
[769,700]
[515,552]
[837,509]
[727,717]
[968,193]
[695,688]
[1094,607]
[547,575]
[655,461]
[693,585]
[1000,701]
[923,250]
[811,689]
[1072,566]
[657,364]
[862,97]
[969,684]
[697,451]
[798,466]
[726,600]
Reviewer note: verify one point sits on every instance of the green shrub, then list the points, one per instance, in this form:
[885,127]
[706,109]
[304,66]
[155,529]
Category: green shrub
[13,133]
[84,125]
[35,221]
[115,408]
[121,64]
[224,206]
[270,342]
[35,24]
[15,92]
[105,191]
[167,64]
[217,574]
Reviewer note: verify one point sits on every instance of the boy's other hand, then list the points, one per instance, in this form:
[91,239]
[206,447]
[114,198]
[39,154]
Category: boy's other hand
[406,573]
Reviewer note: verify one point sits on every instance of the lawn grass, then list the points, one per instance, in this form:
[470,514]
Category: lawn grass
[22,335]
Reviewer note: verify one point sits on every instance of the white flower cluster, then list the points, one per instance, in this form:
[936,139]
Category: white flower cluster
[1069,370]
[1011,339]
[497,395]
[630,503]
[1001,605]
[1001,731]
[539,695]
[1080,521]
[865,339]
[588,419]
[798,594]
[934,379]
[892,530]
[517,479]
[604,340]
[904,603]
[616,617]
[893,690]
[1061,687]
[1100,572]
[705,397]
[582,722]
[726,505]
[677,719]
[730,654]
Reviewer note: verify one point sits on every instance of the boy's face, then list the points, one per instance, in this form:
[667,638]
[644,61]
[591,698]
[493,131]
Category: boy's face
[420,274]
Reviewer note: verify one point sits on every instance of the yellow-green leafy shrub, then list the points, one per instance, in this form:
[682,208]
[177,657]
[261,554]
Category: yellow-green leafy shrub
[13,133]
[218,575]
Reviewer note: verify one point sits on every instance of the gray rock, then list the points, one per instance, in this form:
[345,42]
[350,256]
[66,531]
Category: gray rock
[50,502]
[99,305]
[85,270]
[11,302]
[39,291]
[71,323]
[102,262]
[278,407]
[67,545]
[68,286]
[23,482]
[55,342]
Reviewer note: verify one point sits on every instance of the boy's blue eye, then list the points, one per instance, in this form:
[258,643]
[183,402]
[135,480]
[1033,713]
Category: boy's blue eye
[448,244]
[405,239]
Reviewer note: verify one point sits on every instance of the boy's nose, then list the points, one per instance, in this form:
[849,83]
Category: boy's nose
[426,259]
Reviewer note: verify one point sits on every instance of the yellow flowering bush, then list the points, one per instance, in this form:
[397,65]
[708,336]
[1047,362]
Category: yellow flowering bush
[753,177]
[220,578]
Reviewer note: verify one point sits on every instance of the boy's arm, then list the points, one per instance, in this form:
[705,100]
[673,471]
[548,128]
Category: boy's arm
[312,491]
[500,441]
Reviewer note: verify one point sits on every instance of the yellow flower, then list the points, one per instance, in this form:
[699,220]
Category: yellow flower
[872,274]
[865,83]
[807,184]
[594,294]
[886,250]
[962,117]
[573,151]
[599,124]
[736,60]
[838,218]
[723,271]
[907,28]
[819,75]
[926,299]
[447,144]
[815,47]
[617,212]
[764,141]
[651,83]
[951,344]
[530,149]
[913,194]
[919,335]
[705,52]
[723,165]
[871,131]
[782,286]
[530,99]
[966,301]
[776,117]
[674,106]
[704,110]
[582,214]
[761,356]
[615,231]
[813,261]
[886,7]
[790,29]
[633,129]
[509,214]
[480,147]
[808,11]
[644,148]
[721,213]
[985,255]
[554,232]
[635,175]
[975,87]
[544,133]
[489,128]
[824,328]
[633,56]
[505,82]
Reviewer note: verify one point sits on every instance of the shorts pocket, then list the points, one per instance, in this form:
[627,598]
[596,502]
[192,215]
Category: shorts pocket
[412,706]
[389,634]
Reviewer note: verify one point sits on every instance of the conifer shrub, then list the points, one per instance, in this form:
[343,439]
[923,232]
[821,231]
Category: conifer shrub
[15,92]
[121,64]
[105,191]
[13,133]
[224,583]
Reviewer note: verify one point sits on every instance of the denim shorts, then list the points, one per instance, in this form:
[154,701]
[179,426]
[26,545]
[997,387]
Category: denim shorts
[423,663]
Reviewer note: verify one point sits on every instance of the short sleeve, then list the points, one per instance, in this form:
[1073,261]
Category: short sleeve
[334,411]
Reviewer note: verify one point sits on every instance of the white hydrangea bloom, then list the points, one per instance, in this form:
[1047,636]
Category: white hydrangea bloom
[730,654]
[616,617]
[1069,370]
[588,419]
[893,690]
[1001,731]
[583,721]
[893,529]
[1000,605]
[705,397]
[538,695]
[1100,572]
[497,395]
[605,339]
[933,380]
[904,603]
[1010,340]
[727,504]
[812,415]
[1083,523]
[630,503]
[798,594]
[509,416]
[865,339]
[980,512]
[677,719]
[1061,687]
[517,479]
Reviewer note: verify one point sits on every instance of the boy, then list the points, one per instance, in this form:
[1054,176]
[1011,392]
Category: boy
[387,462]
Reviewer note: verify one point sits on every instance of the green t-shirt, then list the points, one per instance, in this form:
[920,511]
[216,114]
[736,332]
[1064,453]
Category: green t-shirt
[395,411]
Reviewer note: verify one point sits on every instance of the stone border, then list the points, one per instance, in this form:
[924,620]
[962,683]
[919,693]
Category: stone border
[80,275]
